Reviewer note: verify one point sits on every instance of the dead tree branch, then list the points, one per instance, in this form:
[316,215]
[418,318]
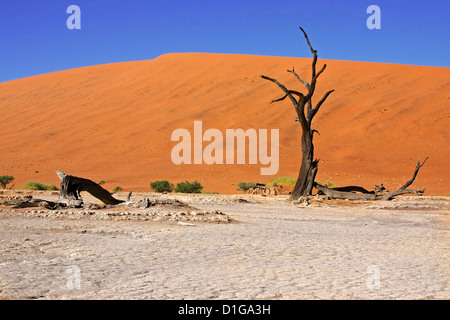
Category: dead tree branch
[350,192]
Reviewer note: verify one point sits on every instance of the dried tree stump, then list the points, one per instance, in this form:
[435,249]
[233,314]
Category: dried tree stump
[72,186]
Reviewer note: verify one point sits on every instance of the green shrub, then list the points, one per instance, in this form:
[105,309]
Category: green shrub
[5,180]
[244,186]
[188,187]
[287,181]
[101,182]
[208,192]
[327,184]
[117,189]
[162,186]
[330,185]
[35,185]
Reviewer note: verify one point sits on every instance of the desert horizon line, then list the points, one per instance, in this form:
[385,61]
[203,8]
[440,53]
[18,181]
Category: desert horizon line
[224,54]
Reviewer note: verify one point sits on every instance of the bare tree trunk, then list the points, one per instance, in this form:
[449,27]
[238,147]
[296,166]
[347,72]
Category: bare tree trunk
[305,111]
[308,169]
[72,186]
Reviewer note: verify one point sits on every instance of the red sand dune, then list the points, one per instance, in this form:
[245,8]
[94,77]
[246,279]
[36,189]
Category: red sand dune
[114,122]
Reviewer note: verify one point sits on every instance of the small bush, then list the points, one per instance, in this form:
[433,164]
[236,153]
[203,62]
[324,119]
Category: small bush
[117,189]
[244,186]
[210,192]
[162,186]
[35,185]
[286,181]
[188,187]
[5,180]
[330,184]
[101,182]
[327,184]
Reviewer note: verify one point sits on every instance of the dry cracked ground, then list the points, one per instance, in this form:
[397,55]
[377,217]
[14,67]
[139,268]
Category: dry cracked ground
[272,249]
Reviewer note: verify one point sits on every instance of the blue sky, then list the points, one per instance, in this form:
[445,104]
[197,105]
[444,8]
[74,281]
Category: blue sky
[34,38]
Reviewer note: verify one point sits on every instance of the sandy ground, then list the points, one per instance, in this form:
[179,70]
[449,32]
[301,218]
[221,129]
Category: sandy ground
[273,250]
[114,122]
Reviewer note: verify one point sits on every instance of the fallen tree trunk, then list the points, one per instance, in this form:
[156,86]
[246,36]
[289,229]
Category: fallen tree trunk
[348,192]
[28,202]
[335,194]
[72,186]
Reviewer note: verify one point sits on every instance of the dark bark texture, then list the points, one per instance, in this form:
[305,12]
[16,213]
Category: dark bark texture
[72,186]
[305,110]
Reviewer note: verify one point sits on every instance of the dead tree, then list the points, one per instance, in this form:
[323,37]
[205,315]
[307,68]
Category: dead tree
[72,186]
[305,111]
[380,193]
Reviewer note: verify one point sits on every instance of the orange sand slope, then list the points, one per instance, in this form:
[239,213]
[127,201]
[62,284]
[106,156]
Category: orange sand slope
[114,122]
